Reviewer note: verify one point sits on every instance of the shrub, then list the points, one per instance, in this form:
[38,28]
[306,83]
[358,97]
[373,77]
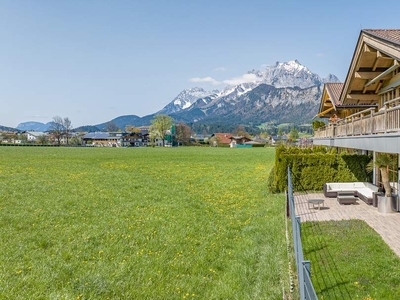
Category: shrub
[312,167]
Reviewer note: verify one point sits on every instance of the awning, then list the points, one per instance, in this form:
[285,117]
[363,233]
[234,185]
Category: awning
[324,112]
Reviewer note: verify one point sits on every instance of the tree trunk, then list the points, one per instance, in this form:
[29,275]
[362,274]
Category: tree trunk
[385,181]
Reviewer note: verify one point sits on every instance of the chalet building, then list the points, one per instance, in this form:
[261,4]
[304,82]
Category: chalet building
[364,111]
[103,139]
[135,139]
[144,129]
[222,138]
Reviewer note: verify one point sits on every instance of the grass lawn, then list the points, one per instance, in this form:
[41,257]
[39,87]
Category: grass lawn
[151,223]
[349,260]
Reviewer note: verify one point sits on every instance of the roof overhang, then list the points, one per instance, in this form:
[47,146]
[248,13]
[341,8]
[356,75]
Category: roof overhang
[326,100]
[371,69]
[323,112]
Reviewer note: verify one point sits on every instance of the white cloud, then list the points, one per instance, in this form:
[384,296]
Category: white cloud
[232,81]
[205,80]
[242,79]
[320,54]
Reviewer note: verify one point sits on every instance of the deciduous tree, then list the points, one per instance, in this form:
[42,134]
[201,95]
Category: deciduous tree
[160,124]
[240,131]
[153,134]
[42,139]
[57,128]
[67,127]
[317,124]
[183,133]
[131,128]
[293,134]
[214,141]
[112,127]
[280,131]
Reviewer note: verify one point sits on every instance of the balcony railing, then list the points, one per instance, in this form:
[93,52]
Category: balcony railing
[365,122]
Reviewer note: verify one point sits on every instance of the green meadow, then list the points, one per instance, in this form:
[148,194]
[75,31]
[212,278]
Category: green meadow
[349,260]
[150,223]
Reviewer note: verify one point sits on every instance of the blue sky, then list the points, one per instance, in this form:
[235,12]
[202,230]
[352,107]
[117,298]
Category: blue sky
[92,61]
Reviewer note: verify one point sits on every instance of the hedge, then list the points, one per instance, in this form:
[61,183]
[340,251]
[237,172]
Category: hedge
[312,167]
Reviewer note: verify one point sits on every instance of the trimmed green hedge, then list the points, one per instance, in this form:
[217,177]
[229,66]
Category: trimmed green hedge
[312,167]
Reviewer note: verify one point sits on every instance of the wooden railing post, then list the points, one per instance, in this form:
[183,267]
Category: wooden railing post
[384,121]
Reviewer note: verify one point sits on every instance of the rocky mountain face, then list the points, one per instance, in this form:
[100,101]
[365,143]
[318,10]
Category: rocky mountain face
[185,99]
[290,74]
[265,103]
[285,92]
[34,126]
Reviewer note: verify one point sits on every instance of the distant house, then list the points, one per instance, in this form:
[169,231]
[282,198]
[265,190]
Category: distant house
[277,139]
[32,136]
[260,140]
[238,140]
[103,139]
[135,139]
[201,138]
[222,138]
[144,129]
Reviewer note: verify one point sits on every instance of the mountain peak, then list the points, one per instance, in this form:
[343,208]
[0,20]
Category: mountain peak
[292,66]
[186,98]
[290,74]
[330,78]
[34,126]
[194,90]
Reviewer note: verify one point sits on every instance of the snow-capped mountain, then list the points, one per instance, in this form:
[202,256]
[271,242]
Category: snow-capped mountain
[229,94]
[185,99]
[281,75]
[282,85]
[290,74]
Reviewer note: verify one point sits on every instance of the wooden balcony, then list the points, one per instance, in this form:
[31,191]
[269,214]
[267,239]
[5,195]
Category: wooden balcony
[366,122]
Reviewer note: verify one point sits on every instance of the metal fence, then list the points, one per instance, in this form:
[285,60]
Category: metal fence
[306,287]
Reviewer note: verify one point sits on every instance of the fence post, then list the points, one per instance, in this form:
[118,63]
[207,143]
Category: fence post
[299,257]
[307,266]
[287,204]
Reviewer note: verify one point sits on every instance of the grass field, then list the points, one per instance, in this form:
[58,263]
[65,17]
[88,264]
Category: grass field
[349,260]
[151,223]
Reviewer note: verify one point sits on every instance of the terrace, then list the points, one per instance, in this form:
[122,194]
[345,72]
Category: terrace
[384,224]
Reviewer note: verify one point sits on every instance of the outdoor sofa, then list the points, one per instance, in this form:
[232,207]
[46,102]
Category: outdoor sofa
[363,190]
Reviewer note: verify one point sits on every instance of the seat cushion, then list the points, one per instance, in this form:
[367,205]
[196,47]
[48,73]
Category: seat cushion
[366,192]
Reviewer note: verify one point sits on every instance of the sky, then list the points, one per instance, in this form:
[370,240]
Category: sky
[95,60]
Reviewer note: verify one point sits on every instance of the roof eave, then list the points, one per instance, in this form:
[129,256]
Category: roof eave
[352,67]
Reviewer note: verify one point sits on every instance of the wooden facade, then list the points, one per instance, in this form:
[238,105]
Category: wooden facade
[368,107]
[368,102]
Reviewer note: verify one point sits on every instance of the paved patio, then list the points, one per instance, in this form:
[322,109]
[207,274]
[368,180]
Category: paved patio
[387,225]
